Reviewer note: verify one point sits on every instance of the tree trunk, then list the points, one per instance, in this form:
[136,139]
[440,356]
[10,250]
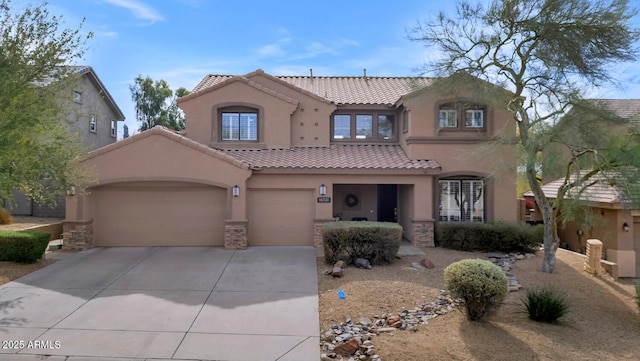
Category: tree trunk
[551,241]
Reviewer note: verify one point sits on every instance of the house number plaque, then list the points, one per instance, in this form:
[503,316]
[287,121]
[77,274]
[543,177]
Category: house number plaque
[324,199]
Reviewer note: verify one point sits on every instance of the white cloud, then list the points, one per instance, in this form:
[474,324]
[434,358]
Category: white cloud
[270,50]
[138,9]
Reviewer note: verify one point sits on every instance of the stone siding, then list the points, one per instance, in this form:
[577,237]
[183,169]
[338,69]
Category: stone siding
[317,231]
[236,235]
[77,235]
[422,234]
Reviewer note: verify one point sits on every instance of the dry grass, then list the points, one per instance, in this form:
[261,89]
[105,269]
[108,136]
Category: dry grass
[603,321]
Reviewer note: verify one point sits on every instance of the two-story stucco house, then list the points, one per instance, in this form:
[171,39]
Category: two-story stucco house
[266,160]
[92,113]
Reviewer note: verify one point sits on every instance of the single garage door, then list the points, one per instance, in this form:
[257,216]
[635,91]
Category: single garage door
[280,218]
[159,214]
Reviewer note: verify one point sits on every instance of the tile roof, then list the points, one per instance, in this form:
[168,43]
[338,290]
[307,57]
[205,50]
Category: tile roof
[336,156]
[342,89]
[602,191]
[171,135]
[624,108]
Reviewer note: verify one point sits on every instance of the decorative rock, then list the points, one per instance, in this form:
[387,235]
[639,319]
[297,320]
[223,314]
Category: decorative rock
[365,321]
[326,272]
[394,321]
[340,264]
[426,263]
[417,265]
[363,263]
[348,348]
[386,329]
[337,272]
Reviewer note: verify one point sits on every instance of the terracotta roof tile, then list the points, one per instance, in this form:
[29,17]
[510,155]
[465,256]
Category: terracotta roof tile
[343,89]
[602,191]
[624,108]
[337,156]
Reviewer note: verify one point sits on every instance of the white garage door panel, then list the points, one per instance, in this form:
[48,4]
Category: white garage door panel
[159,216]
[280,218]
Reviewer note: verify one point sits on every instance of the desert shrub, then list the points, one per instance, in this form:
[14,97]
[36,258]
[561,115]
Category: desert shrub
[481,284]
[5,216]
[377,242]
[486,237]
[23,246]
[545,305]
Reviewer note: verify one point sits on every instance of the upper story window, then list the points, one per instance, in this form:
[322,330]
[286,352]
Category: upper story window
[239,126]
[342,126]
[372,127]
[461,116]
[93,123]
[77,97]
[114,128]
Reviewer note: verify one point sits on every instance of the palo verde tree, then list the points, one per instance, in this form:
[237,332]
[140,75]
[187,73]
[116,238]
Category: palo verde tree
[156,104]
[546,53]
[38,156]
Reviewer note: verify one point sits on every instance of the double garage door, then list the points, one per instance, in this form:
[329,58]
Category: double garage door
[143,214]
[159,214]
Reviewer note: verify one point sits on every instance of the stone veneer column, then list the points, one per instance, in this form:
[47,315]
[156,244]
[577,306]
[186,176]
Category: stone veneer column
[422,234]
[77,235]
[236,234]
[317,231]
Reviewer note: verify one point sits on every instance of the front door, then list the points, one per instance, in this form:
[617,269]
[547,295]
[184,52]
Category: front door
[387,202]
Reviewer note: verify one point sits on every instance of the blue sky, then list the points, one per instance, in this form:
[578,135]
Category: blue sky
[181,41]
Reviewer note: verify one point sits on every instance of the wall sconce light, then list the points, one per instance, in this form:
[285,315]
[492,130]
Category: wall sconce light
[579,232]
[323,189]
[625,227]
[71,191]
[235,191]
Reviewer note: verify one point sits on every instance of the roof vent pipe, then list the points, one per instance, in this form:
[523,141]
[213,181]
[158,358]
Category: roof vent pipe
[365,74]
[311,73]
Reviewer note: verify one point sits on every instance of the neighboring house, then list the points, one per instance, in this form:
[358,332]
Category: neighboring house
[266,160]
[94,115]
[614,220]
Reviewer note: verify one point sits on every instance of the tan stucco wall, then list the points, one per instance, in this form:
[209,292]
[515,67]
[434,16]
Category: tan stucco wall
[274,118]
[157,158]
[310,123]
[410,209]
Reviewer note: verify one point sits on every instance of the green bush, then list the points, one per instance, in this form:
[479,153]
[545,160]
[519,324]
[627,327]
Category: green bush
[23,246]
[481,284]
[488,237]
[545,305]
[377,242]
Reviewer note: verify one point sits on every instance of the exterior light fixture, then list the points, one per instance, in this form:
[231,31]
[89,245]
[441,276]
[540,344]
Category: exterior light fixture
[235,191]
[579,232]
[71,191]
[625,227]
[323,189]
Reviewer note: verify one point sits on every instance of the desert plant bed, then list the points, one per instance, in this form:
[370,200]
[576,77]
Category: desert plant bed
[604,322]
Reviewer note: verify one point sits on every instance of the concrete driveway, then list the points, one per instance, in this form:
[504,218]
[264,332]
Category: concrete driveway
[173,303]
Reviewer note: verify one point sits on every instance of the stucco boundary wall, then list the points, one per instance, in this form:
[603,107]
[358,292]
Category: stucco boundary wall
[236,234]
[54,229]
[77,235]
